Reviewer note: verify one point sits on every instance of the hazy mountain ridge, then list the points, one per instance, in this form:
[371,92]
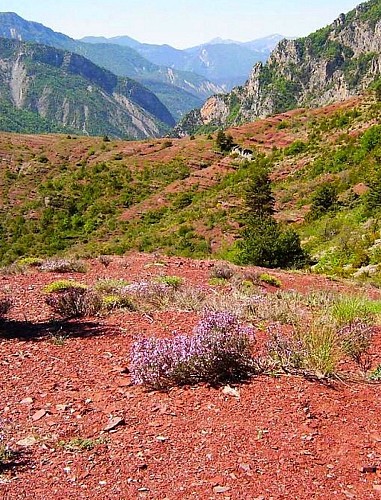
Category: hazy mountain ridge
[69,92]
[120,60]
[224,62]
[332,64]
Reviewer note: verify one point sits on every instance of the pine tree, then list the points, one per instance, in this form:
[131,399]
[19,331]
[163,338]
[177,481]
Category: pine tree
[264,241]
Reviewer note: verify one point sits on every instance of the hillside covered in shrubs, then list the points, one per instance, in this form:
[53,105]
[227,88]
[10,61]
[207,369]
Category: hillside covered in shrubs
[91,196]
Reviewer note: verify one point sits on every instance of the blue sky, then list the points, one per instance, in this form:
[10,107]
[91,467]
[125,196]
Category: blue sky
[181,23]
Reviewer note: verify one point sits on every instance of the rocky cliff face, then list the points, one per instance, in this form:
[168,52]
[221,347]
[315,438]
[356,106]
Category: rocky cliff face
[71,93]
[332,64]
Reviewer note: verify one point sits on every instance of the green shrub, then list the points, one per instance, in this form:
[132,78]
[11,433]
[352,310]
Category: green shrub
[270,280]
[324,199]
[30,261]
[297,147]
[266,244]
[308,349]
[347,309]
[62,285]
[218,281]
[172,281]
[224,142]
[111,302]
[80,444]
[376,374]
[110,285]
[371,138]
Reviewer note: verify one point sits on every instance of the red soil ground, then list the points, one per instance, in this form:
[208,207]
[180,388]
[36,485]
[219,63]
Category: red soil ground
[283,438]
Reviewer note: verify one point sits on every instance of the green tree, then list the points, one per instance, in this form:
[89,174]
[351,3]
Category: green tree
[224,142]
[265,242]
[324,200]
[259,198]
[372,199]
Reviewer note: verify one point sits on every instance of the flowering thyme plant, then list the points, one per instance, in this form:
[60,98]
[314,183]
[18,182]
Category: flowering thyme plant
[219,350]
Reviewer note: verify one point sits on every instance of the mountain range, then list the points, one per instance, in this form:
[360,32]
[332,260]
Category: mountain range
[224,62]
[43,89]
[334,63]
[182,80]
[179,91]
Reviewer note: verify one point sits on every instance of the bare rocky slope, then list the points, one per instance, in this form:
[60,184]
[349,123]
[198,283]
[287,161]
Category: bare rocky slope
[332,64]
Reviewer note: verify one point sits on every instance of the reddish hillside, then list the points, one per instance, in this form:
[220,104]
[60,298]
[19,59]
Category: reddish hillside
[276,437]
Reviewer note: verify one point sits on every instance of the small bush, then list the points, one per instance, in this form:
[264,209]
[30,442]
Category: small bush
[111,302]
[105,260]
[172,281]
[376,374]
[13,269]
[297,147]
[5,306]
[355,341]
[62,285]
[287,352]
[220,350]
[110,285]
[30,262]
[80,444]
[6,454]
[148,295]
[218,281]
[189,299]
[324,199]
[222,270]
[75,303]
[322,352]
[64,266]
[307,349]
[270,280]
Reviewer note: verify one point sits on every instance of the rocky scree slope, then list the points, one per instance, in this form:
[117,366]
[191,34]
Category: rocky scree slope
[330,65]
[68,92]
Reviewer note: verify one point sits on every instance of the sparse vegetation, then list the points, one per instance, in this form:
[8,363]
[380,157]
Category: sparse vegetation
[172,281]
[79,444]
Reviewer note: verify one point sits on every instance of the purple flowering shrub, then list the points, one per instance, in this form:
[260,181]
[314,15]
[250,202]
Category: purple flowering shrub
[59,265]
[219,350]
[149,294]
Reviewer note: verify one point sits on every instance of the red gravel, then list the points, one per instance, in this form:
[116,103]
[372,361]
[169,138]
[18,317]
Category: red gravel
[283,438]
